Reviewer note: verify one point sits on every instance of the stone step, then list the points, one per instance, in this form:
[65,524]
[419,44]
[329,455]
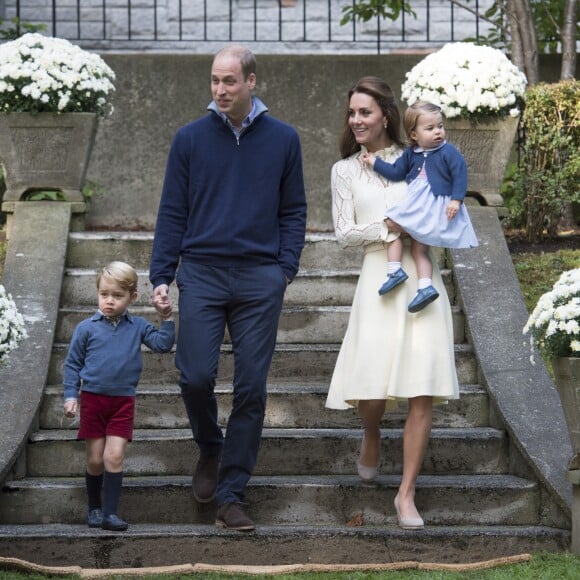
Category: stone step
[288,500]
[57,453]
[310,287]
[291,362]
[305,492]
[148,545]
[94,249]
[307,324]
[290,406]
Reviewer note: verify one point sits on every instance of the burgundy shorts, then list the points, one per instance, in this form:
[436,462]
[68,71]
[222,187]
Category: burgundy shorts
[103,415]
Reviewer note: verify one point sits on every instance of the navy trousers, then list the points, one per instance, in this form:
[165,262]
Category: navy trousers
[248,302]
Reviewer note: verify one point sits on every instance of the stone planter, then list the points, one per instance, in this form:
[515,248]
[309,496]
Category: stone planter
[486,147]
[46,151]
[567,381]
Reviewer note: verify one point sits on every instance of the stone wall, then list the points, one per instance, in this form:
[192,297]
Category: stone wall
[157,93]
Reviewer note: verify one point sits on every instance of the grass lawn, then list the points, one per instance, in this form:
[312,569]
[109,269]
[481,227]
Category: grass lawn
[538,272]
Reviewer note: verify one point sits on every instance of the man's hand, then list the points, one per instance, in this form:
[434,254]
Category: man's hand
[162,302]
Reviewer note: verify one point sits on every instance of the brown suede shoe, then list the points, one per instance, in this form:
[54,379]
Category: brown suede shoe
[232,517]
[205,479]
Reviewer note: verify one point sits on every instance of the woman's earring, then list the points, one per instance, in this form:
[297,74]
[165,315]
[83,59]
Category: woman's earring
[385,124]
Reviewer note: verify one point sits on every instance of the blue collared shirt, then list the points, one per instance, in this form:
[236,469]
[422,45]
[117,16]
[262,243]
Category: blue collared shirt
[258,108]
[105,357]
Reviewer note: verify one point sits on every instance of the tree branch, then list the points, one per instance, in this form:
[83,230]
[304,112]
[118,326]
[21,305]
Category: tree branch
[527,33]
[503,29]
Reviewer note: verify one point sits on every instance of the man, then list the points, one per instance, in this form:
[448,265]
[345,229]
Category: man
[232,216]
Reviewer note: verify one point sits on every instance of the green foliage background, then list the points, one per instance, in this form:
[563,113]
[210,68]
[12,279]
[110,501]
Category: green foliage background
[548,175]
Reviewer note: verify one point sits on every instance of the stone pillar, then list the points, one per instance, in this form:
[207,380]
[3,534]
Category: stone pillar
[573,476]
[77,221]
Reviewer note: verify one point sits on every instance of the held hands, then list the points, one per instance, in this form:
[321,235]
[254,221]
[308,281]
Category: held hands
[162,302]
[368,159]
[452,209]
[71,407]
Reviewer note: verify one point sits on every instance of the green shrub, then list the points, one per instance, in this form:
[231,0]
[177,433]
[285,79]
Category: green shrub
[15,28]
[547,178]
[511,199]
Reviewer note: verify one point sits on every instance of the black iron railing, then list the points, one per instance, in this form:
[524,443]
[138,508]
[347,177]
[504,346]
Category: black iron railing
[293,23]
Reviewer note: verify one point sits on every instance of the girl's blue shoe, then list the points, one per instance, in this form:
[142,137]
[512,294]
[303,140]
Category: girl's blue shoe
[393,280]
[423,297]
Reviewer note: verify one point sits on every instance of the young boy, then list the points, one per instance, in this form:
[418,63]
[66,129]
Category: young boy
[105,358]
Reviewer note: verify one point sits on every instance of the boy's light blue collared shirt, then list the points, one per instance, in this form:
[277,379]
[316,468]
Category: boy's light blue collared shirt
[106,359]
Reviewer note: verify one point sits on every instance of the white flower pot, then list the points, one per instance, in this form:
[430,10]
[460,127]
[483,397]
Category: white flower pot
[486,146]
[46,151]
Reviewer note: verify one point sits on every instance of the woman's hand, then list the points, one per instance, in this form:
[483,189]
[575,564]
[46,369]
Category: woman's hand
[394,226]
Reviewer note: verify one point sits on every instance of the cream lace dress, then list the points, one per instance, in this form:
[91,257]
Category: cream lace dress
[387,353]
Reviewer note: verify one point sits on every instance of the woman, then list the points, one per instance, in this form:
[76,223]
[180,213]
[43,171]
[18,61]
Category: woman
[388,355]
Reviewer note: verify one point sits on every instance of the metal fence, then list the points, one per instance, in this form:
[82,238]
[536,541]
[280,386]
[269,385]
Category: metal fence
[290,26]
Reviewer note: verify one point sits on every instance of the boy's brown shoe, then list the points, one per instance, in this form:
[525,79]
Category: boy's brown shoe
[232,517]
[205,479]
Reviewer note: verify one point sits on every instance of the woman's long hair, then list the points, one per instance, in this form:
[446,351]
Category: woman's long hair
[382,93]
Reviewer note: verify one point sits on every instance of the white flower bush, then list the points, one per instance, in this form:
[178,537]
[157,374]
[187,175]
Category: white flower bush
[46,74]
[554,325]
[12,330]
[467,81]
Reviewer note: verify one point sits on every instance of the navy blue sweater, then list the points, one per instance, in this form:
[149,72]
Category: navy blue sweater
[229,202]
[107,359]
[445,167]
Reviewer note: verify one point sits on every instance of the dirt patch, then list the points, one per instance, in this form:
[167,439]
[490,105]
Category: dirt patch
[517,243]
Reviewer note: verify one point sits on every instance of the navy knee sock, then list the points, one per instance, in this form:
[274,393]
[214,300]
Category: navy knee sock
[112,483]
[94,484]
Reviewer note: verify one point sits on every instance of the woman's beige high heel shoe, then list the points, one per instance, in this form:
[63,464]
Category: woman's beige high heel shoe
[407,523]
[364,472]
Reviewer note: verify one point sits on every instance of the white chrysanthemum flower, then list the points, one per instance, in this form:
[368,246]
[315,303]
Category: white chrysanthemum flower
[551,328]
[34,69]
[63,102]
[12,329]
[466,80]
[554,324]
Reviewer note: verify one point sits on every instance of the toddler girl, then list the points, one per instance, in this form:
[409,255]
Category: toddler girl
[433,214]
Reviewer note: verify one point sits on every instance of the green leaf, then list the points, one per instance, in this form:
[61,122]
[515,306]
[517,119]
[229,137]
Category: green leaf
[368,9]
[46,195]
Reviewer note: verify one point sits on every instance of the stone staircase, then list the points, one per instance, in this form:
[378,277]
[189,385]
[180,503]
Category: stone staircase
[479,498]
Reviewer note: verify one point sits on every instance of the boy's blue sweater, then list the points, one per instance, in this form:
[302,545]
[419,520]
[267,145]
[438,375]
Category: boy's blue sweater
[445,167]
[231,202]
[107,358]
